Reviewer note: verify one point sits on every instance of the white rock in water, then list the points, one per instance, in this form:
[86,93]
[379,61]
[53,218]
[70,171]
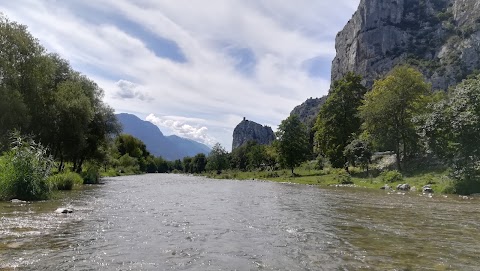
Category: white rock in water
[17,201]
[63,211]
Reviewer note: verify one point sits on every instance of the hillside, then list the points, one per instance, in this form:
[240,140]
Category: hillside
[169,147]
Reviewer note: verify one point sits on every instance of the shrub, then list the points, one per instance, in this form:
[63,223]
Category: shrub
[65,181]
[342,177]
[320,163]
[91,175]
[24,171]
[391,176]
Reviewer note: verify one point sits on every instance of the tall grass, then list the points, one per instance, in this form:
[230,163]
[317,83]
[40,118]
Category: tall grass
[65,181]
[24,171]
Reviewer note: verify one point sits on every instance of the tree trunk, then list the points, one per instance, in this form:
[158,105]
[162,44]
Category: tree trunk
[79,166]
[292,172]
[397,156]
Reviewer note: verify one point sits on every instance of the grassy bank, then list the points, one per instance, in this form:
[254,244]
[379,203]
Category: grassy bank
[306,174]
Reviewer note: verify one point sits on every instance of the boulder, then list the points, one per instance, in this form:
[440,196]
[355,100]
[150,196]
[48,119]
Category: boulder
[403,187]
[427,189]
[63,211]
[17,201]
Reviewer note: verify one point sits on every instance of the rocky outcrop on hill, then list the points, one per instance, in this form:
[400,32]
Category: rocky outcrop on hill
[251,131]
[307,112]
[440,37]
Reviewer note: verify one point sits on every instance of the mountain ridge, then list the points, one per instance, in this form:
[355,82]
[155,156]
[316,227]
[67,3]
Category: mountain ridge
[169,147]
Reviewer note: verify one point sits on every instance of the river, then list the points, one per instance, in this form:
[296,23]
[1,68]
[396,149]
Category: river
[177,222]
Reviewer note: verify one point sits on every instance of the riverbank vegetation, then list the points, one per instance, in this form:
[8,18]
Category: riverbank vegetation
[431,138]
[74,137]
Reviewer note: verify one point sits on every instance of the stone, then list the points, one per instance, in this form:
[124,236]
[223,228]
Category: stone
[427,189]
[385,187]
[63,211]
[440,37]
[251,131]
[17,201]
[403,187]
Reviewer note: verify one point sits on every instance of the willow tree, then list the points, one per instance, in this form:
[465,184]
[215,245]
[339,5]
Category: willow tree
[388,111]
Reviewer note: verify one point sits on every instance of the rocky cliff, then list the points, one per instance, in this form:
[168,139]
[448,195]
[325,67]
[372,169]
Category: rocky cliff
[440,37]
[251,131]
[307,112]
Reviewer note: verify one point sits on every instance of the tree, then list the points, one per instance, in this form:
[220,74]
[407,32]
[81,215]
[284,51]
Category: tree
[292,142]
[199,163]
[256,156]
[359,153]
[217,159]
[388,111]
[451,131]
[338,118]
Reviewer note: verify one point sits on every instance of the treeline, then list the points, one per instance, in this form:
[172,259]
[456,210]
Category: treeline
[403,115]
[42,96]
[400,114]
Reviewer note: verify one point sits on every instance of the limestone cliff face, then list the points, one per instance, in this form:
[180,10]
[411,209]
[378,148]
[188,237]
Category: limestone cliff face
[251,131]
[307,112]
[440,37]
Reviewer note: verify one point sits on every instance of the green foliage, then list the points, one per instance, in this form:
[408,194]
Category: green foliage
[451,131]
[251,156]
[217,159]
[43,96]
[388,111]
[338,119]
[24,171]
[199,163]
[342,177]
[391,176]
[359,153]
[292,143]
[65,181]
[128,164]
[320,163]
[91,175]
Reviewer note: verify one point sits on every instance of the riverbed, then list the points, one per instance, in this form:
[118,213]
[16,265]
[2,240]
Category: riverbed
[178,222]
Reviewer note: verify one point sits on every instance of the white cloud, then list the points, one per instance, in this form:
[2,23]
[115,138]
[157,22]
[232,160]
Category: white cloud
[182,128]
[281,35]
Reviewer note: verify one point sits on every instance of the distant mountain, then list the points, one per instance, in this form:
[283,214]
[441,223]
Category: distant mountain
[168,147]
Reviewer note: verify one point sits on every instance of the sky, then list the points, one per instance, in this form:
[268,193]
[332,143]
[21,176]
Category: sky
[194,68]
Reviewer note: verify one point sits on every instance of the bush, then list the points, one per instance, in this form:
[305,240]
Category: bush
[91,175]
[391,176]
[24,171]
[342,177]
[65,181]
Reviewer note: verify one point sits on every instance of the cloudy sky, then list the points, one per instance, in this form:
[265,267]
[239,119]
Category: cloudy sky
[194,68]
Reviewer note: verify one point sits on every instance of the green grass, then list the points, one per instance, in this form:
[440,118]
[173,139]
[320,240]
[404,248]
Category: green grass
[65,181]
[437,178]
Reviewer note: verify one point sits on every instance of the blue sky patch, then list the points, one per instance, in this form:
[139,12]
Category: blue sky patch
[160,46]
[245,60]
[318,67]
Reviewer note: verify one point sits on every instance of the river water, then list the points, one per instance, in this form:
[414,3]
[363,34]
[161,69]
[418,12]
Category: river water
[176,222]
